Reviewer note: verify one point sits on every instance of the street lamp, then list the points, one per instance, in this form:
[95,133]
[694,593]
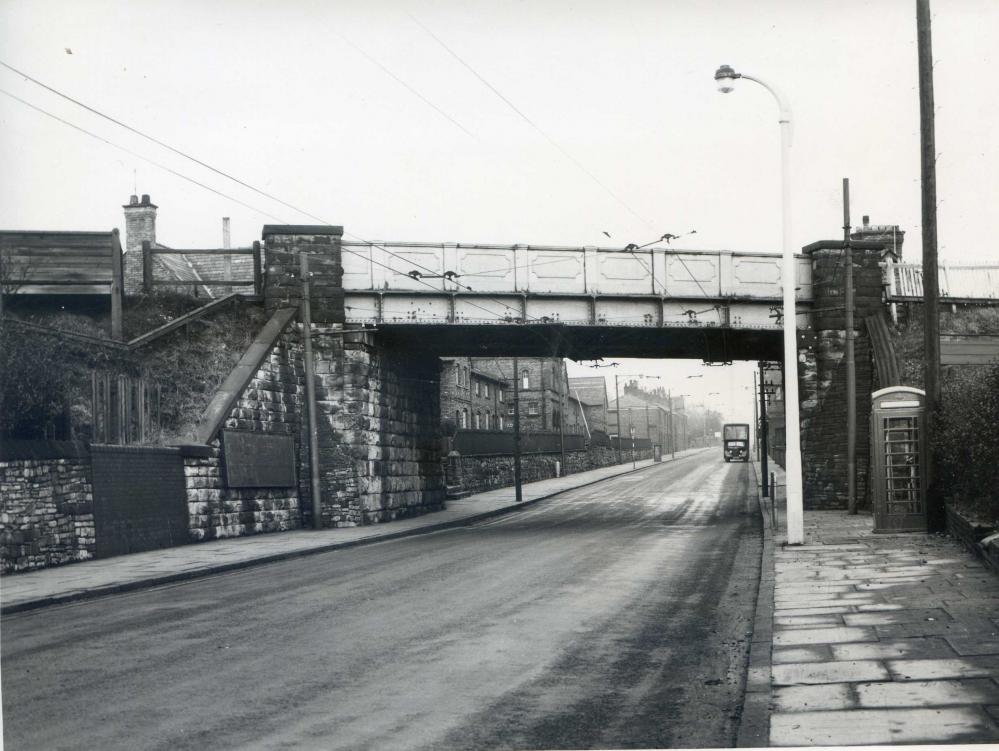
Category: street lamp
[726,78]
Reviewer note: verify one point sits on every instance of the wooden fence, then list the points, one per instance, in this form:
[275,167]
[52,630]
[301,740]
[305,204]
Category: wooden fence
[125,410]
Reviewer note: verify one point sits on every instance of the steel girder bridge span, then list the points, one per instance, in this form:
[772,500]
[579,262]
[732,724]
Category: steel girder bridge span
[577,302]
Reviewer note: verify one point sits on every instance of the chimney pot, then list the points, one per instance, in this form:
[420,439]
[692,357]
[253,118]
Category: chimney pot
[867,220]
[145,199]
[133,200]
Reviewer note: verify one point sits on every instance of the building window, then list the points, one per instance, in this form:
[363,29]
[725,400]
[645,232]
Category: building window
[532,408]
[509,410]
[499,422]
[478,421]
[485,390]
[464,418]
[500,394]
[525,380]
[489,420]
[476,388]
[466,376]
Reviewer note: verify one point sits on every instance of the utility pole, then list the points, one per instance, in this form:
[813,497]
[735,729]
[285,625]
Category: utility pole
[310,393]
[756,421]
[851,363]
[617,405]
[931,295]
[518,491]
[764,436]
[562,386]
[672,425]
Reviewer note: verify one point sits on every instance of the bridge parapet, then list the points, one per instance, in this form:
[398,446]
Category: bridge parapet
[404,282]
[568,270]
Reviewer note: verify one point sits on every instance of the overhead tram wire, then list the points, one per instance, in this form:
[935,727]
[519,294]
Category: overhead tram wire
[223,174]
[194,159]
[219,192]
[139,156]
[579,165]
[268,195]
[409,88]
[235,179]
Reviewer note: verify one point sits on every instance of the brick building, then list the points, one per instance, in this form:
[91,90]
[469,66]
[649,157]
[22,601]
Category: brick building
[478,393]
[475,399]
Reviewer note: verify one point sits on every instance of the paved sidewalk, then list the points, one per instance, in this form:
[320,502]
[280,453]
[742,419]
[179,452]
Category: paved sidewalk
[140,570]
[880,639]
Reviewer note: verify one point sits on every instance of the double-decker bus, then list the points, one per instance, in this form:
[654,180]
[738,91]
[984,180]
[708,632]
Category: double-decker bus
[735,441]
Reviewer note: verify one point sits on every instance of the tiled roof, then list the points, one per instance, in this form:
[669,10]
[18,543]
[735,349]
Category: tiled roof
[589,389]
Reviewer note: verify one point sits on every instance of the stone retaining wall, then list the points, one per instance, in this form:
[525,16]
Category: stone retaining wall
[46,516]
[481,473]
[215,511]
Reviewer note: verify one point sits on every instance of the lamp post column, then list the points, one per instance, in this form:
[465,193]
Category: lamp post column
[792,419]
[726,77]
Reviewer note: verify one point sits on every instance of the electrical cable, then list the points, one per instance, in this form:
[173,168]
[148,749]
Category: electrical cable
[530,122]
[236,200]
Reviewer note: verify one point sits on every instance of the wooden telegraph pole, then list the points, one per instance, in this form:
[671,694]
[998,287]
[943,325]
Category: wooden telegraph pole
[931,298]
[518,491]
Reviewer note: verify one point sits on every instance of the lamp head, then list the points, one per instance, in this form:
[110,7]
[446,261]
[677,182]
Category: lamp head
[725,78]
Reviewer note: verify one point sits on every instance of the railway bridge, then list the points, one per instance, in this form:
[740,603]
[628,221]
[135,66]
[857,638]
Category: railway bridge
[383,314]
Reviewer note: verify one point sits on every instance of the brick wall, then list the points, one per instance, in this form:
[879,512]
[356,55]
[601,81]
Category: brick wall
[46,512]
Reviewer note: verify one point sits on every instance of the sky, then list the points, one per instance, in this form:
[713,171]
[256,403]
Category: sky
[537,122]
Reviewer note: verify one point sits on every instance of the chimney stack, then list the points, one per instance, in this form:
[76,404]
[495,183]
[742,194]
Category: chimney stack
[140,224]
[887,234]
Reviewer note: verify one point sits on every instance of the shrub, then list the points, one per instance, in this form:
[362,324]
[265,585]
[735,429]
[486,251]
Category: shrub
[968,440]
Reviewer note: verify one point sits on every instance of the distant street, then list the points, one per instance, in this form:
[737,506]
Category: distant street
[614,616]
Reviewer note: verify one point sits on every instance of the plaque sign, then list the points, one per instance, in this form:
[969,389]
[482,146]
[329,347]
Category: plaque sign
[258,460]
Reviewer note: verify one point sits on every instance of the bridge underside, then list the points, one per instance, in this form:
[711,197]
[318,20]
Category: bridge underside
[584,342]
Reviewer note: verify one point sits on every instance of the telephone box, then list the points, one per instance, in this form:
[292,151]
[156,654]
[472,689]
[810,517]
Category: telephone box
[898,469]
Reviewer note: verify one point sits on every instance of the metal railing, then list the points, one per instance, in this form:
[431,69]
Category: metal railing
[904,282]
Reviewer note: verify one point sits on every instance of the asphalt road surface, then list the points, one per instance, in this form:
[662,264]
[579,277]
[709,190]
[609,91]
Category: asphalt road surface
[613,616]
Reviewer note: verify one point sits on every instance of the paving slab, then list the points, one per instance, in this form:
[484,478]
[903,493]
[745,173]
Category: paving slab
[927,693]
[923,647]
[883,727]
[882,639]
[900,615]
[843,671]
[833,635]
[980,666]
[813,653]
